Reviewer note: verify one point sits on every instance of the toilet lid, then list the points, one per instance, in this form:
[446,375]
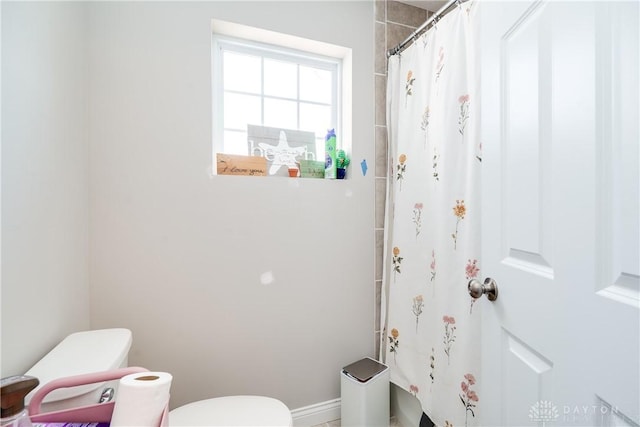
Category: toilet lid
[232,411]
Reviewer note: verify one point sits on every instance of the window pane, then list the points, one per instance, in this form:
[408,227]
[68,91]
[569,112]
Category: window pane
[315,84]
[280,79]
[315,118]
[280,114]
[241,110]
[235,143]
[241,72]
[320,146]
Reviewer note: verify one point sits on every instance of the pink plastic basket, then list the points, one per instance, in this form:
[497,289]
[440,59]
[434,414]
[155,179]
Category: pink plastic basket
[97,413]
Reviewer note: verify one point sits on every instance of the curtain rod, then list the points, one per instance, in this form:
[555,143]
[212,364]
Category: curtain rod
[434,18]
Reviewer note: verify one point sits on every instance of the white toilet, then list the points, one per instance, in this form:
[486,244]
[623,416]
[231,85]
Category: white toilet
[107,349]
[232,411]
[81,353]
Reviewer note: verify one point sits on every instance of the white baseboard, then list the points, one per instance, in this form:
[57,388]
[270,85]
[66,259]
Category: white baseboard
[315,414]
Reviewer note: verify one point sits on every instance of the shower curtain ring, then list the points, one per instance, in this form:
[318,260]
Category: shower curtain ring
[434,23]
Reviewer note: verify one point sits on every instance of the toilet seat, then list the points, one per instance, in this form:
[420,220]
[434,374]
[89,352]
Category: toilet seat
[232,411]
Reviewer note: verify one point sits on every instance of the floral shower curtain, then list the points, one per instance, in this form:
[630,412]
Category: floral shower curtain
[432,227]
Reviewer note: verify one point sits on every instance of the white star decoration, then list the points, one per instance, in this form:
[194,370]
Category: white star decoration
[281,154]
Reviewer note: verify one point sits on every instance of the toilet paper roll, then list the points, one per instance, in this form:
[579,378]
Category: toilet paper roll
[141,399]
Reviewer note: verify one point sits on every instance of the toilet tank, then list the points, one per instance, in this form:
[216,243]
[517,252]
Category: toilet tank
[81,353]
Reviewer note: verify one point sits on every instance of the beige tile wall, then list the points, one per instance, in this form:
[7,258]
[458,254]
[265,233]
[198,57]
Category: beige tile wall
[394,22]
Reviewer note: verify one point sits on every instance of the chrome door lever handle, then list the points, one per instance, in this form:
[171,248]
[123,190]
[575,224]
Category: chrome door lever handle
[489,288]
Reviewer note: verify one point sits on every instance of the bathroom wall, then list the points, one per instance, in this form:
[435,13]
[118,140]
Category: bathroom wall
[45,200]
[235,285]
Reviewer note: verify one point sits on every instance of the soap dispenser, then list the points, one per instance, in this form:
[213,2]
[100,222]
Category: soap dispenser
[12,393]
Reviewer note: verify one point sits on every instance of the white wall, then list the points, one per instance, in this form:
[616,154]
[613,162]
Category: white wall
[177,254]
[106,153]
[45,203]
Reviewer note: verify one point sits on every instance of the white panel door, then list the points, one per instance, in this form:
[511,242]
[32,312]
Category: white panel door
[560,213]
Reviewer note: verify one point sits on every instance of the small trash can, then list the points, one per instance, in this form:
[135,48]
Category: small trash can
[364,389]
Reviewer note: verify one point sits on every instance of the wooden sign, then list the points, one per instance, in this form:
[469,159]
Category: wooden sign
[311,169]
[228,164]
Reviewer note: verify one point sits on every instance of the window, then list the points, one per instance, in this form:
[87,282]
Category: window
[263,85]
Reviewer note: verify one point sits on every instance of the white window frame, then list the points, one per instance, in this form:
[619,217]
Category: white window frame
[221,43]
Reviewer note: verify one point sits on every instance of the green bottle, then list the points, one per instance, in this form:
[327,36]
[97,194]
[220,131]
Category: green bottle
[330,155]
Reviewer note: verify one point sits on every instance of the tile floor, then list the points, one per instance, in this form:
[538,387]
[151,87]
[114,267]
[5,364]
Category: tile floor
[392,423]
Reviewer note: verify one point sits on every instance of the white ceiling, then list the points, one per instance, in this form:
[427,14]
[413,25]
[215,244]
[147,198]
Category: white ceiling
[432,5]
